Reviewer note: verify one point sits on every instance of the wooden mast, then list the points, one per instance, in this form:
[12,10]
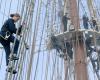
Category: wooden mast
[80,62]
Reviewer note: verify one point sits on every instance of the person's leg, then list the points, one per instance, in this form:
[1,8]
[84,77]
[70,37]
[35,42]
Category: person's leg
[16,45]
[97,28]
[98,65]
[6,45]
[7,50]
[85,25]
[13,56]
[65,26]
[69,50]
[93,63]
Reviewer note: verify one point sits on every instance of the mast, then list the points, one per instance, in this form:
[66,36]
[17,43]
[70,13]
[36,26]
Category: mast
[80,64]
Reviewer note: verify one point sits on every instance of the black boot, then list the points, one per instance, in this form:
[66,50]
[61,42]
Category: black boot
[10,69]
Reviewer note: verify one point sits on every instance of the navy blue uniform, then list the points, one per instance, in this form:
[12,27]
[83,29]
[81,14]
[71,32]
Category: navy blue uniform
[65,21]
[10,27]
[85,22]
[95,24]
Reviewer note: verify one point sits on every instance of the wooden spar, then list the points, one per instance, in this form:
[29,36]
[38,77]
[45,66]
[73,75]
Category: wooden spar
[80,62]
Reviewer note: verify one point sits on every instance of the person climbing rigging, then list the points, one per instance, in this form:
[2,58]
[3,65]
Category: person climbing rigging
[89,42]
[6,37]
[55,43]
[85,21]
[65,19]
[94,24]
[67,48]
[94,59]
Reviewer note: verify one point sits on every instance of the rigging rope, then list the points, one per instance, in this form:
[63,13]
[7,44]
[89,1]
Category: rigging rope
[33,45]
[21,40]
[41,38]
[0,4]
[48,55]
[24,38]
[23,48]
[2,24]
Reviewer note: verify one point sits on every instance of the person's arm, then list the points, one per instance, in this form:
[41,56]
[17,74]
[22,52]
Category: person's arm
[19,30]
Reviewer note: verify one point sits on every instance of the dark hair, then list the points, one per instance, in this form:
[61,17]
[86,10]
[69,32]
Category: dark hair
[11,15]
[16,14]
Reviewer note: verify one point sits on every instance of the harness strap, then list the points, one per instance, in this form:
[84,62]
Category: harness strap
[7,35]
